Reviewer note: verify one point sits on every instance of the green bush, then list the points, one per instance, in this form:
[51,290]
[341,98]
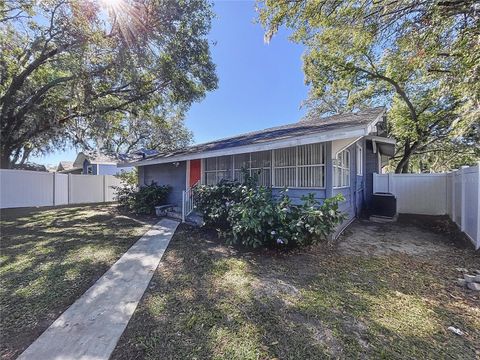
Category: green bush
[141,200]
[249,215]
[214,201]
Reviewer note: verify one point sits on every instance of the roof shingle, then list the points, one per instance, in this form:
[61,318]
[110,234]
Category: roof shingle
[300,128]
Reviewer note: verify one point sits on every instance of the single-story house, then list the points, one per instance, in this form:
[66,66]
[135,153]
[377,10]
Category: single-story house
[66,167]
[325,156]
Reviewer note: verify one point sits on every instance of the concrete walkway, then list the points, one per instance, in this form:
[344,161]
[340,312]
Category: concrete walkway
[91,327]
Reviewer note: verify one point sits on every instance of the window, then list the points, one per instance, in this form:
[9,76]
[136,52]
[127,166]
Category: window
[256,164]
[218,168]
[299,166]
[90,169]
[302,166]
[359,159]
[285,165]
[341,169]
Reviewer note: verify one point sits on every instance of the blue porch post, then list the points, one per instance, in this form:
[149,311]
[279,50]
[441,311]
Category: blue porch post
[328,170]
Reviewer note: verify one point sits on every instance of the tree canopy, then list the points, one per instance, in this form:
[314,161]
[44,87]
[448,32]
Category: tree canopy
[420,58]
[117,72]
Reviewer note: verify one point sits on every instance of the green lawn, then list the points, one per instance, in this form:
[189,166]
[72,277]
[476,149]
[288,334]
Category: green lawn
[51,257]
[208,300]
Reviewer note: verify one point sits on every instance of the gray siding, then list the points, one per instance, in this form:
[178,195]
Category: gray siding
[296,194]
[371,166]
[165,174]
[111,169]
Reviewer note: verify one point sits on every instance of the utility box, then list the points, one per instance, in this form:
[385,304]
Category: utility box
[384,204]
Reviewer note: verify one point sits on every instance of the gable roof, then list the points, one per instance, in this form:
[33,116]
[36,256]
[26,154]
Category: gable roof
[302,129]
[64,165]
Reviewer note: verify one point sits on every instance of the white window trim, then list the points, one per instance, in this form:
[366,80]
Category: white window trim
[359,158]
[335,165]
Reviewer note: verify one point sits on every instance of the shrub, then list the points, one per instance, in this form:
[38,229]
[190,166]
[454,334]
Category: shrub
[249,215]
[142,200]
[213,201]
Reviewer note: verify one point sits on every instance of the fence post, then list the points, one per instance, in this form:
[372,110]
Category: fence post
[462,201]
[54,179]
[183,206]
[104,189]
[69,188]
[391,184]
[478,206]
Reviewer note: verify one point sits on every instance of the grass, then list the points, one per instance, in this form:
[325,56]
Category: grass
[210,301]
[51,257]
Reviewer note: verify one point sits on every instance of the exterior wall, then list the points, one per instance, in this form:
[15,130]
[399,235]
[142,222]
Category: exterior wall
[353,194]
[296,194]
[166,174]
[104,169]
[111,169]
[86,163]
[371,166]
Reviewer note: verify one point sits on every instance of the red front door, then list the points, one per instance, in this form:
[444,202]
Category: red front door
[195,171]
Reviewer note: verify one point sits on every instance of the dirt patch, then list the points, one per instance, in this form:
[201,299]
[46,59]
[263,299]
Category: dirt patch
[370,238]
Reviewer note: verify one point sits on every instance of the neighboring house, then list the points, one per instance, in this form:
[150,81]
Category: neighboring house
[336,154]
[66,167]
[95,163]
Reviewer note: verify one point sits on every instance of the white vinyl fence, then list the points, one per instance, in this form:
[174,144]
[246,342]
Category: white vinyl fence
[21,188]
[456,194]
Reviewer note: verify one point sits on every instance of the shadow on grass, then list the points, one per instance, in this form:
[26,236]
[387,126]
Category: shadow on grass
[49,258]
[207,300]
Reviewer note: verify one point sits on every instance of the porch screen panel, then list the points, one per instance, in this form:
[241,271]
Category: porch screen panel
[311,166]
[301,166]
[211,171]
[285,162]
[241,161]
[260,165]
[217,169]
[224,168]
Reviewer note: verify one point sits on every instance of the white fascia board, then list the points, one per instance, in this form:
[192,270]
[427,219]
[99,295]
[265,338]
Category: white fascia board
[342,144]
[381,139]
[103,163]
[271,145]
[375,122]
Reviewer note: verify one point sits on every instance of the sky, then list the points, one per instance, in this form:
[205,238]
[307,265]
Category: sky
[260,85]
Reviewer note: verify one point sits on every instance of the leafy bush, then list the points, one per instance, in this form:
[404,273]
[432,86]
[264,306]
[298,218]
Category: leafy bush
[128,177]
[142,200]
[213,201]
[249,215]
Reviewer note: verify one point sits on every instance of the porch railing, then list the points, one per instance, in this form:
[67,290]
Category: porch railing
[188,201]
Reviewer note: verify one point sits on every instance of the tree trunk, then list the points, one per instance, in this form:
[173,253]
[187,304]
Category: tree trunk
[5,162]
[403,164]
